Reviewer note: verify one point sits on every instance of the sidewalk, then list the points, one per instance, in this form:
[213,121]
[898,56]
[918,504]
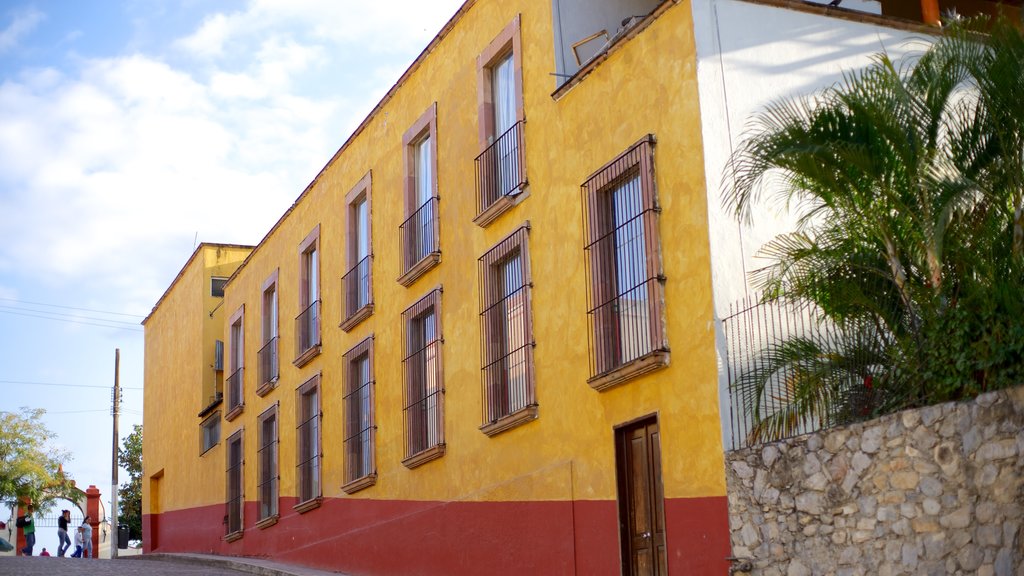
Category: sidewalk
[239,563]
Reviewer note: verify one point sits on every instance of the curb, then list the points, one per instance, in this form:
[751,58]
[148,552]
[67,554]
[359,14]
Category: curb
[256,566]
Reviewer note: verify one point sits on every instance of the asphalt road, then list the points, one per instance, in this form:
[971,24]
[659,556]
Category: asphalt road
[52,566]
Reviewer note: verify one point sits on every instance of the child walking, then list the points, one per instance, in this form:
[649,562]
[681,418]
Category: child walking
[78,543]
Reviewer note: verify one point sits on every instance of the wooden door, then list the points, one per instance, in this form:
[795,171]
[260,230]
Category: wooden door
[641,509]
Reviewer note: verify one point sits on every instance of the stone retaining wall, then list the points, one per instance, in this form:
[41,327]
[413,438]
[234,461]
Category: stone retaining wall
[937,490]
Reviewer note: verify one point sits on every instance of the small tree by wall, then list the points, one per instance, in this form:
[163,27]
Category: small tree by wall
[129,496]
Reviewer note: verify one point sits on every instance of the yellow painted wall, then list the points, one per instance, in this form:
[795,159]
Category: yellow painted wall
[179,349]
[647,86]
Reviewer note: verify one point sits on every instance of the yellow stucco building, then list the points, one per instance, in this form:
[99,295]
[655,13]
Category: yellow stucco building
[481,340]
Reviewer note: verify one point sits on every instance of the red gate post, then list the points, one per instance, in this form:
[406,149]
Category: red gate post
[92,507]
[19,533]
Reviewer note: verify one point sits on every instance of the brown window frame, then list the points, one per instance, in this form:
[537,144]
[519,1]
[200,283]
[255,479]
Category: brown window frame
[504,404]
[417,397]
[415,265]
[491,202]
[207,424]
[351,283]
[360,419]
[315,498]
[237,502]
[269,356]
[268,510]
[609,364]
[303,352]
[235,382]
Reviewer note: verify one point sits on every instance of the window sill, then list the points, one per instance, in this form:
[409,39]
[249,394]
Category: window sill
[308,505]
[360,483]
[304,358]
[509,421]
[360,315]
[236,535]
[500,206]
[647,363]
[267,522]
[234,412]
[423,457]
[266,387]
[205,452]
[211,406]
[419,269]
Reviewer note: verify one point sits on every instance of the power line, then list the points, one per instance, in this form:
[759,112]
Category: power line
[72,308]
[128,328]
[58,315]
[65,385]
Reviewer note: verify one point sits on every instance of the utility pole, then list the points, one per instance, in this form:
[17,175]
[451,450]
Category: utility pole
[113,468]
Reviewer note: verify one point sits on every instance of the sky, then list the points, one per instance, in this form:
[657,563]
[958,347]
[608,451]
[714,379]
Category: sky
[129,131]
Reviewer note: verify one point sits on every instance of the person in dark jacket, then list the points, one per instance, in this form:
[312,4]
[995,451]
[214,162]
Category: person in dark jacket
[62,532]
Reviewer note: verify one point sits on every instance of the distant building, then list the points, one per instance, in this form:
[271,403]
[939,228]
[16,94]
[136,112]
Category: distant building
[486,338]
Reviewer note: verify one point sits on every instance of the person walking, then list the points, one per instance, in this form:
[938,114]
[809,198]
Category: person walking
[86,538]
[79,543]
[28,527]
[62,532]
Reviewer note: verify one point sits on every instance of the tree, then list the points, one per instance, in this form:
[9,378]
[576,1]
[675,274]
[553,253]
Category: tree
[129,495]
[30,469]
[908,181]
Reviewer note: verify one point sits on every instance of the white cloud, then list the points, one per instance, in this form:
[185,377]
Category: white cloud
[23,23]
[394,26]
[209,39]
[110,172]
[276,64]
[107,171]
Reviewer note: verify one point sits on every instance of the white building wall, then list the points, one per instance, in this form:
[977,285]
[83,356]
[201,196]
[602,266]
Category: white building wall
[748,55]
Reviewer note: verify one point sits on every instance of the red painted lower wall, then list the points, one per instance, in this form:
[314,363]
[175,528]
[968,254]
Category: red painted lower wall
[376,538]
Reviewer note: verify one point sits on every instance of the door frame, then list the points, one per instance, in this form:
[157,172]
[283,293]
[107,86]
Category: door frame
[619,431]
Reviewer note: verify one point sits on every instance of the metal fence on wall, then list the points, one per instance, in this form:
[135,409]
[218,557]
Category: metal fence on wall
[759,335]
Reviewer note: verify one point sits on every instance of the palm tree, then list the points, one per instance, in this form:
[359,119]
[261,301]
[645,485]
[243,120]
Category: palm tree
[908,182]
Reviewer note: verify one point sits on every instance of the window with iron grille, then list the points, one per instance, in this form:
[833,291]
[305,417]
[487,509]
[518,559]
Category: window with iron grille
[307,435]
[419,233]
[307,323]
[360,428]
[626,292]
[235,485]
[500,166]
[424,382]
[210,432]
[236,359]
[357,283]
[268,357]
[507,334]
[268,479]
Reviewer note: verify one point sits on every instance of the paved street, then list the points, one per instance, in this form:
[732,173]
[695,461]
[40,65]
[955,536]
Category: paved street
[152,565]
[40,566]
